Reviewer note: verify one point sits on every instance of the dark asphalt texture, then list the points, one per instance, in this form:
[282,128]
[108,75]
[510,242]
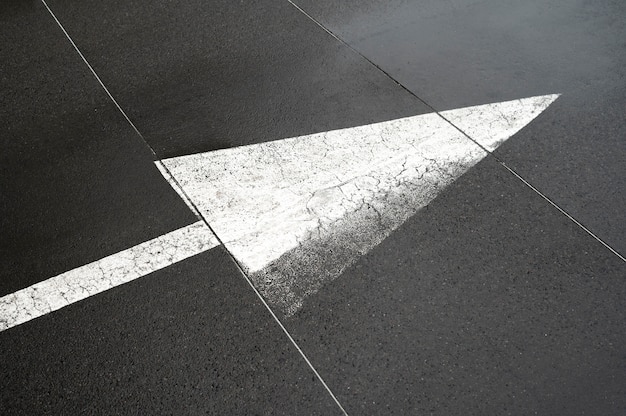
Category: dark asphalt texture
[77,183]
[197,76]
[192,339]
[464,52]
[488,301]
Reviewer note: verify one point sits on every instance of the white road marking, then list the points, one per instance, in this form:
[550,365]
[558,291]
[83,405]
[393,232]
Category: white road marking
[506,116]
[172,181]
[77,284]
[296,212]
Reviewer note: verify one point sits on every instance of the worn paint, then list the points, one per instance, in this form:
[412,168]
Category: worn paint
[296,212]
[77,284]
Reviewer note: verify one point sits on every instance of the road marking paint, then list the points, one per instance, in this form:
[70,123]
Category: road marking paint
[77,284]
[491,131]
[296,212]
[172,181]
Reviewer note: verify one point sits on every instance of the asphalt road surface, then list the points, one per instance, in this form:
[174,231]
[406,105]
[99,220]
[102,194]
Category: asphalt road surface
[286,207]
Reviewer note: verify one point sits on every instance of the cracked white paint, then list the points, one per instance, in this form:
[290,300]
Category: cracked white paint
[505,117]
[296,212]
[80,283]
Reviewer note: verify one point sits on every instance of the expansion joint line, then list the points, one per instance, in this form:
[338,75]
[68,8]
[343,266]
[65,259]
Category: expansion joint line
[497,159]
[196,211]
[93,72]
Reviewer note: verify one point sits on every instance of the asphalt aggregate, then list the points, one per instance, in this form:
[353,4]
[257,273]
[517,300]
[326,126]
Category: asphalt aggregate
[505,295]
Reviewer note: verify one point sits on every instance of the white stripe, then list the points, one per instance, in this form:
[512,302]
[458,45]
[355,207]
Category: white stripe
[296,212]
[491,130]
[172,182]
[69,287]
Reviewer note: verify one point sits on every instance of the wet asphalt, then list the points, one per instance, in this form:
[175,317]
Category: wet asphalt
[488,301]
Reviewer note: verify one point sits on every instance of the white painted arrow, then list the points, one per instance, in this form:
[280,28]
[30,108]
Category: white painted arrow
[296,212]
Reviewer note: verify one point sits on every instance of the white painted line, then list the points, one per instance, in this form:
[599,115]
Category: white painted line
[296,212]
[506,118]
[179,190]
[69,287]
